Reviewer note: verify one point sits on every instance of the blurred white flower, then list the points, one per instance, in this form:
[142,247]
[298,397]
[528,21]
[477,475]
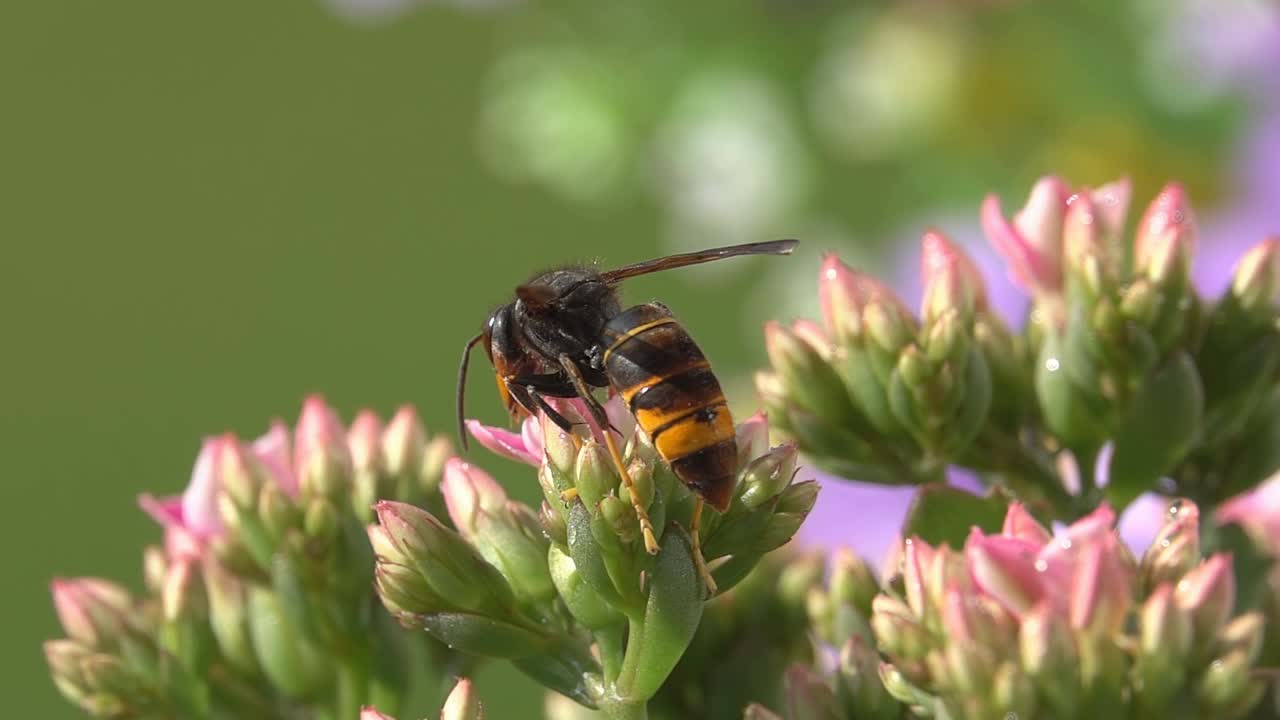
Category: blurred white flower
[729,166]
[884,81]
[547,119]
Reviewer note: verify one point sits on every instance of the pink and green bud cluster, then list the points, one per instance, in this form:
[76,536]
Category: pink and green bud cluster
[1025,622]
[264,574]
[878,394]
[570,593]
[1120,353]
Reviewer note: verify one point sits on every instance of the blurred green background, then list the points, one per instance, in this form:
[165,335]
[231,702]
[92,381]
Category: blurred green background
[209,210]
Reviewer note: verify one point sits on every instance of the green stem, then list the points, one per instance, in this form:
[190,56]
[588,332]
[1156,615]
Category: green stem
[619,710]
[353,685]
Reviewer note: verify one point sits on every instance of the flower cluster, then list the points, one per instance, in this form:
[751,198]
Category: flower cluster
[619,595]
[1121,350]
[259,599]
[1020,623]
[568,593]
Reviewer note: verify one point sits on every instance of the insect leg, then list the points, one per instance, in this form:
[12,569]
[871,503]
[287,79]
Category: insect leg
[602,419]
[553,415]
[694,536]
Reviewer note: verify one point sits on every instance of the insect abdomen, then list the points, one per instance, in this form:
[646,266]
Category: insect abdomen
[667,383]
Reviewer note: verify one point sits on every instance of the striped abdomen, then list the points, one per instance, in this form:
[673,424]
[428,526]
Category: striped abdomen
[667,383]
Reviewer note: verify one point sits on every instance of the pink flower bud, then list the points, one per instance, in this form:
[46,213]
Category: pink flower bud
[274,450]
[812,333]
[840,298]
[364,440]
[1006,569]
[200,499]
[1018,523]
[181,582]
[1208,593]
[321,458]
[1258,512]
[462,703]
[1086,252]
[917,557]
[1032,243]
[1111,206]
[92,611]
[467,491]
[951,280]
[1102,588]
[753,438]
[1256,282]
[404,442]
[369,712]
[1166,236]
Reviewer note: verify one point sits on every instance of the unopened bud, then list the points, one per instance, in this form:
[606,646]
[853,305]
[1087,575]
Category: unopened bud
[621,517]
[404,443]
[93,612]
[322,459]
[1207,594]
[951,279]
[594,475]
[852,581]
[462,703]
[1257,277]
[768,475]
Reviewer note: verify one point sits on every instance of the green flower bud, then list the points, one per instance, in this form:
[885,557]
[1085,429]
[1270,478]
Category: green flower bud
[228,616]
[434,456]
[403,444]
[321,522]
[1257,277]
[889,325]
[553,524]
[288,659]
[277,514]
[1141,302]
[946,339]
[766,476]
[154,567]
[109,675]
[898,633]
[621,516]
[450,566]
[586,605]
[1048,653]
[858,685]
[852,582]
[1225,681]
[808,697]
[594,475]
[797,577]
[1013,694]
[806,378]
[64,658]
[1243,633]
[561,447]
